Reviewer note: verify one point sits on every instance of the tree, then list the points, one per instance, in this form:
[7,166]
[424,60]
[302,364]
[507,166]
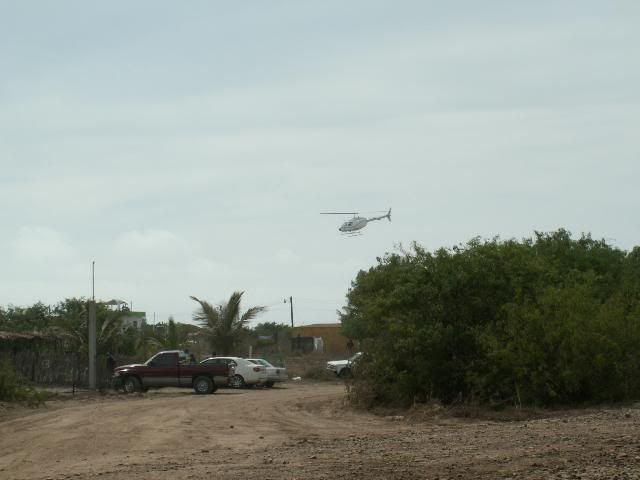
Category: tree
[144,341]
[223,325]
[169,338]
[546,320]
[71,319]
[271,329]
[270,334]
[26,319]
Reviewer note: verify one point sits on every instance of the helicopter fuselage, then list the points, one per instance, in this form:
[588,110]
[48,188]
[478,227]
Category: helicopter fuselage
[353,225]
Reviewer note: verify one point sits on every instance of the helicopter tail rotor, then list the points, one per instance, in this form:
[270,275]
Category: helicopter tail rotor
[388,215]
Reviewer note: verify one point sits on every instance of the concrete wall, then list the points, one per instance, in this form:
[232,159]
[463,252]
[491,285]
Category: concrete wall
[334,341]
[134,319]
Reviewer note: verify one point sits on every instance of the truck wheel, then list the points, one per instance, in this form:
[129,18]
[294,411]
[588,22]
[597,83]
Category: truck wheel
[269,384]
[203,385]
[237,381]
[131,385]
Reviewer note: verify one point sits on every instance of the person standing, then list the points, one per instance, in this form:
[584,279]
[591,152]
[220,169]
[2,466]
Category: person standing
[107,380]
[111,364]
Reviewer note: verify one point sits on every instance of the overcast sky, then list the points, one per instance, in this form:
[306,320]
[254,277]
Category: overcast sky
[188,147]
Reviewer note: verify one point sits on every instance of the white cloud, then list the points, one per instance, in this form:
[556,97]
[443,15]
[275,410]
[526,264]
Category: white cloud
[149,242]
[286,256]
[202,266]
[41,243]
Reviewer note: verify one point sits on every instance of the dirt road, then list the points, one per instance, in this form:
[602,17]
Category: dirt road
[303,431]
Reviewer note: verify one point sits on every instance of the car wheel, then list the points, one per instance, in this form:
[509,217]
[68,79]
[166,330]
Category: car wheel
[345,373]
[203,385]
[269,384]
[131,385]
[237,381]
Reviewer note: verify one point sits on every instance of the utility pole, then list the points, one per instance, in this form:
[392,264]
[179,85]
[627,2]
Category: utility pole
[92,331]
[291,305]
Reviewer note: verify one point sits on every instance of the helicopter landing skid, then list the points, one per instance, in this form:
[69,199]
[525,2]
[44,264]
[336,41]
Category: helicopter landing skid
[352,234]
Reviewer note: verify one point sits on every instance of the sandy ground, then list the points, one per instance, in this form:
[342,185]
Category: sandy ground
[303,431]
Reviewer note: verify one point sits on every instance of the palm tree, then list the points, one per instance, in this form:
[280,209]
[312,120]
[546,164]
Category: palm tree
[145,342]
[168,339]
[72,317]
[223,325]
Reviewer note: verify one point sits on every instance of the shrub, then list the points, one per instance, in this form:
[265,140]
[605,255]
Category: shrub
[549,320]
[12,389]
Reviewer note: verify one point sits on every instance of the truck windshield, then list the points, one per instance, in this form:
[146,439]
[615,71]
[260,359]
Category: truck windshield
[163,360]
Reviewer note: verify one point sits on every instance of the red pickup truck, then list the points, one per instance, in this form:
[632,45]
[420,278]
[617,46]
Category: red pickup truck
[171,368]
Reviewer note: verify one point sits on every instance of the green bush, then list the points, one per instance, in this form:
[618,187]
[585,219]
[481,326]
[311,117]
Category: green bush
[12,389]
[549,320]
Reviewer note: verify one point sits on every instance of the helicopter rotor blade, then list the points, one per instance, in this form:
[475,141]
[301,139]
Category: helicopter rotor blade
[352,213]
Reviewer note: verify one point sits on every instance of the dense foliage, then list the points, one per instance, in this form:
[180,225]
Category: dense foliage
[225,329]
[547,320]
[68,320]
[25,319]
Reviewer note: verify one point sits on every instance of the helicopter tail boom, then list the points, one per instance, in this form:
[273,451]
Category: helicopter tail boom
[387,216]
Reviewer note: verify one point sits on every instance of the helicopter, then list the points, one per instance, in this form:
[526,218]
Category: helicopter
[353,226]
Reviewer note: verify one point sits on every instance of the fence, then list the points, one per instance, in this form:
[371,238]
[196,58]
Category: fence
[46,361]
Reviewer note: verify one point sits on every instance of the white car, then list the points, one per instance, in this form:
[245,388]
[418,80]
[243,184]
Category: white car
[342,368]
[274,374]
[246,373]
